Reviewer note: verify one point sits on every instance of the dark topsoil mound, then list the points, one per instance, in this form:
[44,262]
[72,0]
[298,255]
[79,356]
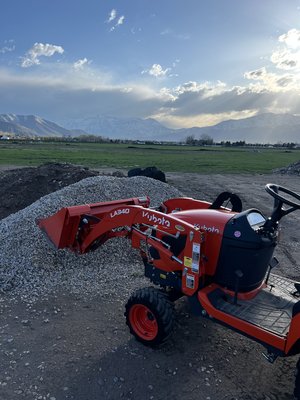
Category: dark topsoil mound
[21,187]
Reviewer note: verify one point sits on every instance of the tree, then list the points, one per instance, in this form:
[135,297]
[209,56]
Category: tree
[206,139]
[190,140]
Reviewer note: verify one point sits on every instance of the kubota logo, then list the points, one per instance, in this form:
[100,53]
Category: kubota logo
[156,220]
[210,229]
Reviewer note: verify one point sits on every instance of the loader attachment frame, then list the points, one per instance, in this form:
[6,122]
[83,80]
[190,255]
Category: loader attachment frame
[68,227]
[85,228]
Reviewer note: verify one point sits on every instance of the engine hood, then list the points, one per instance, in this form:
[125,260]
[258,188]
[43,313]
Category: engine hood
[211,221]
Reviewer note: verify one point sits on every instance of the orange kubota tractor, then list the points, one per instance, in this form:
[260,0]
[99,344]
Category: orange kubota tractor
[220,258]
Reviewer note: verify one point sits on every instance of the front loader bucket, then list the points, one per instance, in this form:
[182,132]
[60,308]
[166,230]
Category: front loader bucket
[62,227]
[65,228]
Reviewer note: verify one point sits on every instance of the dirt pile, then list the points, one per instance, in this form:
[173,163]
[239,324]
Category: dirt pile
[21,187]
[292,169]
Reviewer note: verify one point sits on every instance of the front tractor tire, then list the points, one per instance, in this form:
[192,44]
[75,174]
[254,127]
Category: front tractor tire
[150,316]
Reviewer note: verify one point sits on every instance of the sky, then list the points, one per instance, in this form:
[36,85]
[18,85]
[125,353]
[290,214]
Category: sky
[184,63]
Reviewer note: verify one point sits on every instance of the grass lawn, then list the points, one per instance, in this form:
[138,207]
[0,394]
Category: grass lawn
[214,159]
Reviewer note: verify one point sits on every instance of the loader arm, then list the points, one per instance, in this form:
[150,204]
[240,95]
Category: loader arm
[69,226]
[167,243]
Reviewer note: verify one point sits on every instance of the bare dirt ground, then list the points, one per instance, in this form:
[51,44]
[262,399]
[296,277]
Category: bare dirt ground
[65,347]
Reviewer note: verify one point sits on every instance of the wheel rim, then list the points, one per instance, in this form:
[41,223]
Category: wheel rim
[143,322]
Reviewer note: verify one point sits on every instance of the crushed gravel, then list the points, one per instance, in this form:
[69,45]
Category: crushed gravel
[31,268]
[292,169]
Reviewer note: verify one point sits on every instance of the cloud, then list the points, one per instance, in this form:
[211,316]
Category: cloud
[287,56]
[39,49]
[194,102]
[157,71]
[71,90]
[79,64]
[56,92]
[201,120]
[120,20]
[272,82]
[9,46]
[285,59]
[173,34]
[291,39]
[112,15]
[60,94]
[256,74]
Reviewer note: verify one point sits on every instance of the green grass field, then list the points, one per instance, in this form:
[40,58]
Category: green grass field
[215,159]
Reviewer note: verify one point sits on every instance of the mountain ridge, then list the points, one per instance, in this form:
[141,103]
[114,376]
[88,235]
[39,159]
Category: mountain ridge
[33,126]
[261,128]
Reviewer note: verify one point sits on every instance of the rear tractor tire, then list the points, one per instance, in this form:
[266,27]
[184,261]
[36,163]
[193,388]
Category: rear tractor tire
[150,316]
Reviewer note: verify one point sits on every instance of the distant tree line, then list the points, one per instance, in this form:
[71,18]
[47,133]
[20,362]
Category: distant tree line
[80,138]
[205,140]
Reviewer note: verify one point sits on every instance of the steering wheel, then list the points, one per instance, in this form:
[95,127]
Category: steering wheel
[227,196]
[274,190]
[279,199]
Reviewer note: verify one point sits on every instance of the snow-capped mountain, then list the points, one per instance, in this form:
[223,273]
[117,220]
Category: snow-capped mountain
[123,128]
[32,126]
[262,128]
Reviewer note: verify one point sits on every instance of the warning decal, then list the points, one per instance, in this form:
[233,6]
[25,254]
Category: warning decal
[190,281]
[187,262]
[196,257]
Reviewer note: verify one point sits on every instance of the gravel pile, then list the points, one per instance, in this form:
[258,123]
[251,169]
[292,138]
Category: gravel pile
[292,169]
[31,268]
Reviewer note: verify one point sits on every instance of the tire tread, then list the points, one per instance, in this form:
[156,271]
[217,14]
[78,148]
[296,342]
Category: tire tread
[162,308]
